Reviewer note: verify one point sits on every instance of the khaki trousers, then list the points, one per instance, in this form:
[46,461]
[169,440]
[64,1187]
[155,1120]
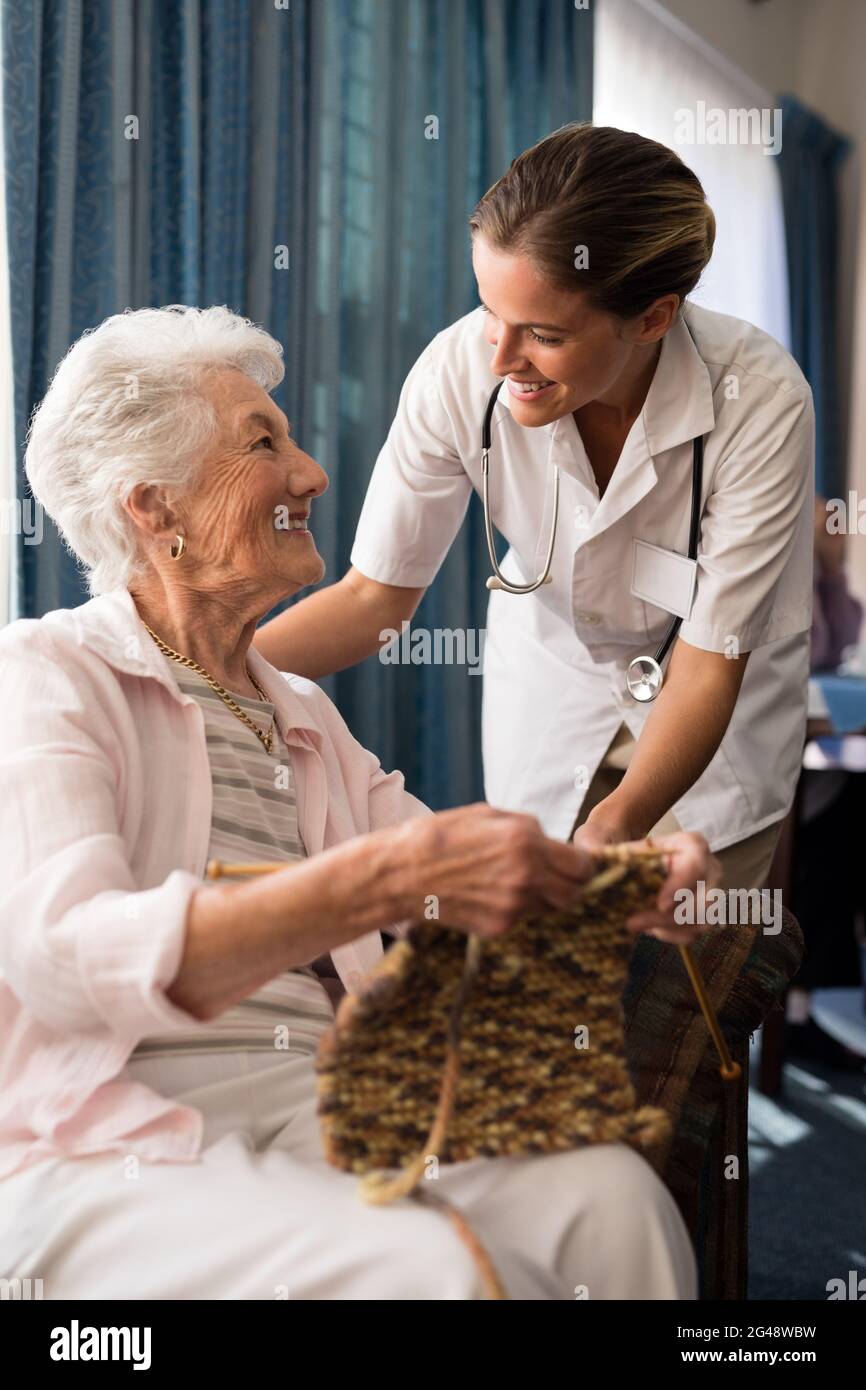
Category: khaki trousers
[744,865]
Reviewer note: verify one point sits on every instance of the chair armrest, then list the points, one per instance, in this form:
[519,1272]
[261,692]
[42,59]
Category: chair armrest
[658,990]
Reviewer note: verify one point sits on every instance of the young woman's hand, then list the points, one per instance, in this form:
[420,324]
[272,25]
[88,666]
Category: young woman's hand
[690,862]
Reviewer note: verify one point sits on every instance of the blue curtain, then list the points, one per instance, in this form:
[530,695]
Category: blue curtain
[809,163]
[159,151]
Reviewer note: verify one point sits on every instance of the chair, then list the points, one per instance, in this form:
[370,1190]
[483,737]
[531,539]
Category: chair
[673,1063]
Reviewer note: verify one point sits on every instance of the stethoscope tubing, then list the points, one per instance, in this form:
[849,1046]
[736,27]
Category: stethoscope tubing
[498,581]
[694,532]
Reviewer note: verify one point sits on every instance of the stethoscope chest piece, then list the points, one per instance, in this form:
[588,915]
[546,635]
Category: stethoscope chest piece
[644,678]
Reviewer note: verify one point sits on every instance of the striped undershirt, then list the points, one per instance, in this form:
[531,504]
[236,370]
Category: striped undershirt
[255,818]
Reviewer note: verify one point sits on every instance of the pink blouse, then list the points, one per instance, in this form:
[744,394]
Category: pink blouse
[104,822]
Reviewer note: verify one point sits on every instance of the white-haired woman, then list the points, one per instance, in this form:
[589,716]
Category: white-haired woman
[157,1032]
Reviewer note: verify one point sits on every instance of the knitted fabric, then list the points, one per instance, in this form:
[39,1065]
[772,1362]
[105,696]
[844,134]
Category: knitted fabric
[542,1063]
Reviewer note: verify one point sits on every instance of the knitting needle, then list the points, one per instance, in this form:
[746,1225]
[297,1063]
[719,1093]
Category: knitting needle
[618,860]
[217,869]
[730,1068]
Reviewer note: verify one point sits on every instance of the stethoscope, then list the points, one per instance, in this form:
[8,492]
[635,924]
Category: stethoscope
[644,675]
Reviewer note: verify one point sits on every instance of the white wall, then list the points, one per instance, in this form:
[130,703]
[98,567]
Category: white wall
[648,71]
[815,49]
[762,39]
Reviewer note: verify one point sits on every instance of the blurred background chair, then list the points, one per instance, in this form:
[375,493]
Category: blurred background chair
[673,1062]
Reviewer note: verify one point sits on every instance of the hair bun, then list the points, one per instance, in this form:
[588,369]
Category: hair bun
[631,203]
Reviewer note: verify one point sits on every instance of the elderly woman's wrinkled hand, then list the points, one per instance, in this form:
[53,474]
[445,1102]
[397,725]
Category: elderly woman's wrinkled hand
[486,869]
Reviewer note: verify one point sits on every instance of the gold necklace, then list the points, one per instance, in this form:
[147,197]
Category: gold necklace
[267,739]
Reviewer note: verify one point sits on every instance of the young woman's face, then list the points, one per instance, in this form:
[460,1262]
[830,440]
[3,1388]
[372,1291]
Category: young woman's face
[557,352]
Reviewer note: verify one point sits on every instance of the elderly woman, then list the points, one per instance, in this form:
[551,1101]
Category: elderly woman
[158,1128]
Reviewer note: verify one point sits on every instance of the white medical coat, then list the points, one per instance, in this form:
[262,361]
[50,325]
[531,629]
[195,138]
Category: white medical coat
[555,660]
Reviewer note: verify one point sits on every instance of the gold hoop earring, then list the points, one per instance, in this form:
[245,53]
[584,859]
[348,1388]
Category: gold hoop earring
[178,548]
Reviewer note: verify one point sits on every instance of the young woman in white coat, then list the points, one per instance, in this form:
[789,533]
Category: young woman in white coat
[585,253]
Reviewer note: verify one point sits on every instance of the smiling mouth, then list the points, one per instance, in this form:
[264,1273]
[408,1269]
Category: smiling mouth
[528,390]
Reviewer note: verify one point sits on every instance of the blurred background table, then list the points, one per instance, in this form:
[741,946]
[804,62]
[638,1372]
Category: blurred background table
[835,740]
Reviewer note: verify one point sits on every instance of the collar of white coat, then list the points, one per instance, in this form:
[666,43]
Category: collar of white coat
[679,404]
[110,626]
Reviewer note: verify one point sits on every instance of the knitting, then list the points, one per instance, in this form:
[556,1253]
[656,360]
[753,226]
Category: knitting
[458,1048]
[454,1049]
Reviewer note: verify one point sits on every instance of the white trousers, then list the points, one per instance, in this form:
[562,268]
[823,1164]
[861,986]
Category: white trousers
[262,1215]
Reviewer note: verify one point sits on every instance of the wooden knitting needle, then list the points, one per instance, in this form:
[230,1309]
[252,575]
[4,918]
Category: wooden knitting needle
[618,859]
[730,1070]
[217,869]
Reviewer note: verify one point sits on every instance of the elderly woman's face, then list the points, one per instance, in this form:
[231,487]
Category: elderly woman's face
[247,519]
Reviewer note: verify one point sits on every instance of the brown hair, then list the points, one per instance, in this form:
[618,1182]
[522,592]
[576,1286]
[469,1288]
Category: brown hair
[636,207]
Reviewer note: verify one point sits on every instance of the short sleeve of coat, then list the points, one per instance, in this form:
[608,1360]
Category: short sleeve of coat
[754,577]
[419,490]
